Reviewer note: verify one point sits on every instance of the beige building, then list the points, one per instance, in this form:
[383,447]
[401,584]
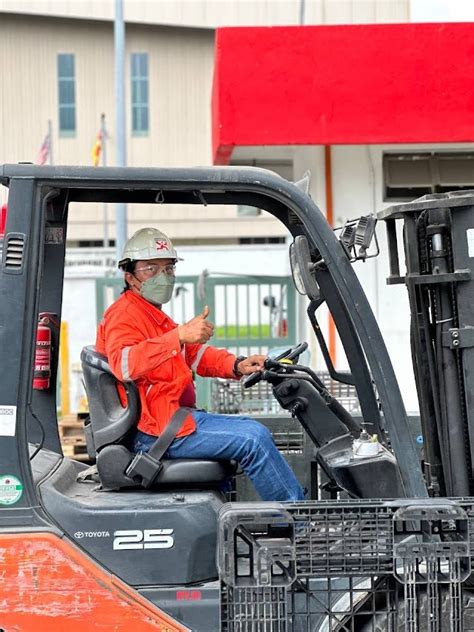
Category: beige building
[58,61]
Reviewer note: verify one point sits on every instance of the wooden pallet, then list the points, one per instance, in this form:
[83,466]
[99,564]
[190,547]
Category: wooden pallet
[73,440]
[76,451]
[71,428]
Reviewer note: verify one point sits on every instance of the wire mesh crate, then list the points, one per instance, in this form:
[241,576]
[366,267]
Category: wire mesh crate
[296,448]
[230,397]
[347,566]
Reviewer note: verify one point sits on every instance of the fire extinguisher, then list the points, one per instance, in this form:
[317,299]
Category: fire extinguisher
[44,335]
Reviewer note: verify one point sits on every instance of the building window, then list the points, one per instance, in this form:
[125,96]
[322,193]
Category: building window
[262,240]
[408,176]
[66,94]
[139,75]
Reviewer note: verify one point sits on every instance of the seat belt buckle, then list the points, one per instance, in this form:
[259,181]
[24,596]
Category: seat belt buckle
[144,469]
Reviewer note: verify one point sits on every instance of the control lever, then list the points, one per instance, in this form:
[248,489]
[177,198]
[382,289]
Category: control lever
[270,363]
[271,376]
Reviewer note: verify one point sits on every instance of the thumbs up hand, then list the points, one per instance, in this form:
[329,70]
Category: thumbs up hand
[198,329]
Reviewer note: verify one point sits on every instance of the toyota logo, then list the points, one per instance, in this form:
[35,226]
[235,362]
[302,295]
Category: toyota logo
[79,534]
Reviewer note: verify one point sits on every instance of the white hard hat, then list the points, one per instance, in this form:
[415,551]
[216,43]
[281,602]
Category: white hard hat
[148,243]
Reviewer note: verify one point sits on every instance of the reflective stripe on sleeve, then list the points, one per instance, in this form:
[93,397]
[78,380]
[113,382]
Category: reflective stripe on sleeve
[199,355]
[124,364]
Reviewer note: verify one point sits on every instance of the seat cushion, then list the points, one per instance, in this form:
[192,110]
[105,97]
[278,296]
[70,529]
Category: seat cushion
[113,460]
[195,473]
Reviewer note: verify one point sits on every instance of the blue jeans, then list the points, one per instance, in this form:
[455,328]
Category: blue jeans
[236,438]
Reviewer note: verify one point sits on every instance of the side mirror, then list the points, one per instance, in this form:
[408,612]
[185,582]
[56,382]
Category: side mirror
[302,268]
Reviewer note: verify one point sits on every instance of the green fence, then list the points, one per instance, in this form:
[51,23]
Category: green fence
[251,314]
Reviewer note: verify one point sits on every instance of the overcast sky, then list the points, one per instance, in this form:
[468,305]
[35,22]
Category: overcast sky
[442,10]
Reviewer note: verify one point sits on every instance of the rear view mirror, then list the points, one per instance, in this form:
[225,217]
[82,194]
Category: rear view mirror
[302,268]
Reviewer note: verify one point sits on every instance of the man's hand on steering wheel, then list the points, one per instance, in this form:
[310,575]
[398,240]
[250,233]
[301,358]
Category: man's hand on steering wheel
[252,364]
[256,367]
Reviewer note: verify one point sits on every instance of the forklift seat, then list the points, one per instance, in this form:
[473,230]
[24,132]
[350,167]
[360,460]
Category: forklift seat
[110,425]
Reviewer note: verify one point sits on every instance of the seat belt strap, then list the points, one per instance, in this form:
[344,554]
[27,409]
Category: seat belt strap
[168,435]
[145,466]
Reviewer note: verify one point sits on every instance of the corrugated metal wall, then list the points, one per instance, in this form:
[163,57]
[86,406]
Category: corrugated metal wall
[213,13]
[180,78]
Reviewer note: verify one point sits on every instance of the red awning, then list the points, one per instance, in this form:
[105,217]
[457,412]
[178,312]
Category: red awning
[325,85]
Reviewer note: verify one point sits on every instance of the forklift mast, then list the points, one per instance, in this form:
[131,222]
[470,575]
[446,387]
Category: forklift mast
[438,240]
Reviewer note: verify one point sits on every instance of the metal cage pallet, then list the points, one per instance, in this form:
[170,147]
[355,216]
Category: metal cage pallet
[347,566]
[230,397]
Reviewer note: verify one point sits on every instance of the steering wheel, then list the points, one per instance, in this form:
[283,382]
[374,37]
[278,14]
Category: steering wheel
[289,354]
[252,379]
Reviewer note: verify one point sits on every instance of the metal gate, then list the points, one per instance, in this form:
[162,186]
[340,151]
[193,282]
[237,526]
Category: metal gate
[251,314]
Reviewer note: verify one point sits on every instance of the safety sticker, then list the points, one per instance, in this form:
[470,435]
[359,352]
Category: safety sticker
[470,241]
[11,489]
[7,421]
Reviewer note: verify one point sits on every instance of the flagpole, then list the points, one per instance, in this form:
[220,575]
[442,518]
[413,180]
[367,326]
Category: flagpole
[103,133]
[50,136]
[119,41]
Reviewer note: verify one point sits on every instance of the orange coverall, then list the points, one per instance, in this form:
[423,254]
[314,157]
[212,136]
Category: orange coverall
[142,345]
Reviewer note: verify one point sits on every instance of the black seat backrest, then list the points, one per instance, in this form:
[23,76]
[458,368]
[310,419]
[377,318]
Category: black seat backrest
[109,424]
[109,420]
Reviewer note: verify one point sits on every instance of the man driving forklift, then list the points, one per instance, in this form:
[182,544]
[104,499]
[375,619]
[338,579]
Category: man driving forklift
[145,346]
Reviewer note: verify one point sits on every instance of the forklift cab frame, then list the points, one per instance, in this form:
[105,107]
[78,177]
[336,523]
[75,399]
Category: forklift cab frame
[31,281]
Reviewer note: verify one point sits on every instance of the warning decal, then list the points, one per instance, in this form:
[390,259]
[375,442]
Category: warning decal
[11,489]
[7,421]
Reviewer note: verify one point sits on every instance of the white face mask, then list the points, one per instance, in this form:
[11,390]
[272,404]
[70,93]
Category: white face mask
[159,289]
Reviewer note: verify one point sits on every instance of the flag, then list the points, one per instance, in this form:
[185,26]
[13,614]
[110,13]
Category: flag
[97,148]
[44,150]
